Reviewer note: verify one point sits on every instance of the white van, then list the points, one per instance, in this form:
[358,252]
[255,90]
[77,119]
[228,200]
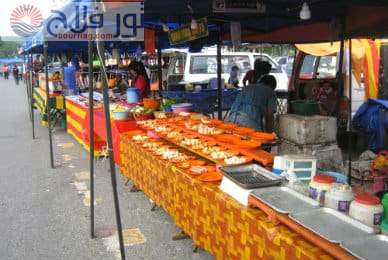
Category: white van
[199,68]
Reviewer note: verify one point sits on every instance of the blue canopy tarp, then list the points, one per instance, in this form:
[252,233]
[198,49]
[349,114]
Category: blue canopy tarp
[11,60]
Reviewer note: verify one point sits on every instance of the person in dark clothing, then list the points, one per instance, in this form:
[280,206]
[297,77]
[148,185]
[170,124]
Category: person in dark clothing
[269,81]
[15,74]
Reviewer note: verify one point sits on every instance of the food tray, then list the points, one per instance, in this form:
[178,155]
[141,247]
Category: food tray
[332,225]
[251,176]
[285,200]
[370,247]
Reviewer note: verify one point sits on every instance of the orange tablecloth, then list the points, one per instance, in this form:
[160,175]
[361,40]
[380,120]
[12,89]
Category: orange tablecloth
[78,127]
[215,221]
[118,128]
[77,117]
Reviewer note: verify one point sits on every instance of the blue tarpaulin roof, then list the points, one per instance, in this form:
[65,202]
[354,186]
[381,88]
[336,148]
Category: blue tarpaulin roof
[11,60]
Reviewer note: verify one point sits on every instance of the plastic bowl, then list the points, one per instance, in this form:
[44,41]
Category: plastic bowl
[183,107]
[122,115]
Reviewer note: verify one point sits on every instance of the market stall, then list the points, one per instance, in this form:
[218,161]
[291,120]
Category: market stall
[224,227]
[56,103]
[215,221]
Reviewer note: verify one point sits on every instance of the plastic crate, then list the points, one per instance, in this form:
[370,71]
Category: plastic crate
[304,108]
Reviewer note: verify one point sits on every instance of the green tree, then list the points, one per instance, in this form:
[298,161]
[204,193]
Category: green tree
[9,48]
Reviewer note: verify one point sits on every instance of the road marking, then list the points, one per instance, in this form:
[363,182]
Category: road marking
[82,176]
[87,201]
[132,236]
[81,187]
[71,166]
[66,145]
[67,157]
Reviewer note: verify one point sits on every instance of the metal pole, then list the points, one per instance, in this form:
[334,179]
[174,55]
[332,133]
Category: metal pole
[27,83]
[48,110]
[91,136]
[160,72]
[100,50]
[219,80]
[32,96]
[350,144]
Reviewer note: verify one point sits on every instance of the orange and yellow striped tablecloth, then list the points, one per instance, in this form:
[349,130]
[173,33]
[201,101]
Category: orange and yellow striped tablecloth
[215,221]
[77,120]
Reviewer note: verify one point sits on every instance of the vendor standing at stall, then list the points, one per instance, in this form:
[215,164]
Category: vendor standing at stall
[255,106]
[140,79]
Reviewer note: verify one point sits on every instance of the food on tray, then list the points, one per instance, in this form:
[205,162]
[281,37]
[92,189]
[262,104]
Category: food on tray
[140,138]
[205,120]
[211,177]
[210,149]
[161,128]
[198,170]
[151,124]
[161,150]
[221,155]
[209,130]
[173,134]
[173,155]
[199,146]
[192,125]
[235,160]
[184,165]
[152,145]
[190,141]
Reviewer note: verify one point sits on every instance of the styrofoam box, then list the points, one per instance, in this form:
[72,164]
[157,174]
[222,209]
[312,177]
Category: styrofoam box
[308,129]
[232,189]
[329,157]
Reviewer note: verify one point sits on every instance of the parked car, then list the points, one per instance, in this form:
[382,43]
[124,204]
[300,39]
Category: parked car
[200,68]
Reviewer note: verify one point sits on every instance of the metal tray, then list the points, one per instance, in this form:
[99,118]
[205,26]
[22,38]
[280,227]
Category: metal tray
[370,247]
[251,176]
[285,200]
[332,225]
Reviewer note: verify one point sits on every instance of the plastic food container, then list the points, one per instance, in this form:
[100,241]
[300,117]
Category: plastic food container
[319,185]
[133,95]
[367,209]
[339,197]
[120,115]
[183,107]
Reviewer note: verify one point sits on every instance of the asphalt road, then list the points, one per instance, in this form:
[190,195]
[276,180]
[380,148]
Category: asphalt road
[44,212]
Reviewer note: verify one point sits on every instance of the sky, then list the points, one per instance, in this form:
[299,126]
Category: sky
[43,5]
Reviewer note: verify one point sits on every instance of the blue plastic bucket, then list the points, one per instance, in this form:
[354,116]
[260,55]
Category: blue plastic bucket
[133,95]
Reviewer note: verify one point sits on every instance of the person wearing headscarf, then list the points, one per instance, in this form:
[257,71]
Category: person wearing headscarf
[140,78]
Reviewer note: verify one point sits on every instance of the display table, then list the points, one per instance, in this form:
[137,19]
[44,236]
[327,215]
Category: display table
[118,128]
[77,117]
[78,127]
[56,101]
[216,222]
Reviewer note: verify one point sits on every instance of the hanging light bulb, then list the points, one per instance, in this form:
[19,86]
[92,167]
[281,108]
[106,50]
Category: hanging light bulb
[165,27]
[261,8]
[193,24]
[305,13]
